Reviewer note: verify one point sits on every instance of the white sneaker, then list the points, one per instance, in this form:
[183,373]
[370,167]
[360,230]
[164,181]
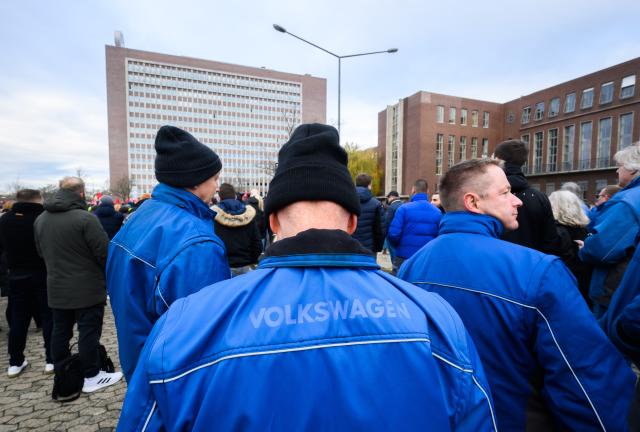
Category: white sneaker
[103,379]
[14,371]
[48,368]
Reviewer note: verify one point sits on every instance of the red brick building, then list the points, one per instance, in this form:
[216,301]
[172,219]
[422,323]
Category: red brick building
[573,130]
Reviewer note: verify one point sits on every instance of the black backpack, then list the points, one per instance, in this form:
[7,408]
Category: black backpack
[69,378]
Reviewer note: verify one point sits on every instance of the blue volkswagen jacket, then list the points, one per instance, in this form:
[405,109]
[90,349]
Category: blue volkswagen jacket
[165,251]
[548,362]
[621,322]
[317,338]
[414,225]
[612,241]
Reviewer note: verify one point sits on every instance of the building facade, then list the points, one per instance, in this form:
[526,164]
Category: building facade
[573,130]
[245,114]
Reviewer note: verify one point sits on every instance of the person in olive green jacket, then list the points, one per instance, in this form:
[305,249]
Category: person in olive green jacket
[74,247]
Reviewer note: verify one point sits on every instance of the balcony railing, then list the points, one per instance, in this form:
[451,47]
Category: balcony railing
[574,165]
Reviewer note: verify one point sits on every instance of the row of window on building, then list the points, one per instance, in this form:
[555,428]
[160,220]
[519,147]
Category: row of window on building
[463,116]
[462,150]
[582,159]
[627,90]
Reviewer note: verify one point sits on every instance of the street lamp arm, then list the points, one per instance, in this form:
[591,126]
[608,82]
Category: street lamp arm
[392,50]
[282,30]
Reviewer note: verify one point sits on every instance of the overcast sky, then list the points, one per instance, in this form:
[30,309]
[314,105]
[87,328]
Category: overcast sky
[53,116]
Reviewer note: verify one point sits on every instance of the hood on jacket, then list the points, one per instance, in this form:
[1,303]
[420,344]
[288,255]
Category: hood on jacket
[27,207]
[516,177]
[363,193]
[65,200]
[233,213]
[104,210]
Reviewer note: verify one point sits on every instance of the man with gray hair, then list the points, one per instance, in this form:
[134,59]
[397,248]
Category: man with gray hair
[612,241]
[549,365]
[577,191]
[74,247]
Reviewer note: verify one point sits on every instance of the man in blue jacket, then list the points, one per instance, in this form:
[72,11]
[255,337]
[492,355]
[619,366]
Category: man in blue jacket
[168,248]
[611,241]
[549,365]
[414,225]
[317,338]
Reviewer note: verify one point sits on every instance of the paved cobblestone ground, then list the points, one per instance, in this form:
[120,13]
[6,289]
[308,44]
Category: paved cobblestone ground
[25,401]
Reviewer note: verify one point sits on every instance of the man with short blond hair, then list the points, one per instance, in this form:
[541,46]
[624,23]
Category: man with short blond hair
[549,365]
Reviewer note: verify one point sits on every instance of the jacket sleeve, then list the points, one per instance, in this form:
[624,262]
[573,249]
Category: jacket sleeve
[549,239]
[378,229]
[582,369]
[476,412]
[615,232]
[626,336]
[97,240]
[195,267]
[394,234]
[256,241]
[140,410]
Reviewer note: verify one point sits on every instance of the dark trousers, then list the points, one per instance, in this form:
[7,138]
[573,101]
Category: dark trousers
[89,331]
[26,292]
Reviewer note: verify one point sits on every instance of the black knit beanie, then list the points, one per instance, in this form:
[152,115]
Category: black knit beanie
[312,167]
[183,161]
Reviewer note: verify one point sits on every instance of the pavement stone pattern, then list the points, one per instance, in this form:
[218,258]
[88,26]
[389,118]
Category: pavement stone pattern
[25,401]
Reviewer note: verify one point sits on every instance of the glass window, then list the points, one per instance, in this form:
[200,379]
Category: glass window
[625,129]
[587,98]
[474,148]
[451,149]
[604,142]
[628,86]
[537,152]
[550,188]
[463,149]
[452,115]
[606,93]
[526,115]
[485,119]
[539,111]
[568,142]
[554,107]
[474,118]
[463,117]
[570,103]
[485,147]
[552,150]
[584,161]
[439,148]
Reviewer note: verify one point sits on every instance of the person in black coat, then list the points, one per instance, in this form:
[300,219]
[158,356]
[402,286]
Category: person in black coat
[110,219]
[371,229]
[536,225]
[235,223]
[571,225]
[27,279]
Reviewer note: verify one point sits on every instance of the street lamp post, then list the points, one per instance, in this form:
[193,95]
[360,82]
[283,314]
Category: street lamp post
[339,57]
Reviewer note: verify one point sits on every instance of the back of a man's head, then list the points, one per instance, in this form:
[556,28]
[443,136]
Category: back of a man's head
[363,180]
[512,151]
[227,191]
[420,185]
[572,187]
[467,176]
[28,195]
[72,184]
[611,190]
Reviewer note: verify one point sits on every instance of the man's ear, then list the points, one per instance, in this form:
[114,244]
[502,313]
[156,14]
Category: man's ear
[274,223]
[352,224]
[471,202]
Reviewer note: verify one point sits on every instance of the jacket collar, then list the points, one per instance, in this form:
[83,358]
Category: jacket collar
[634,183]
[183,199]
[27,207]
[515,176]
[318,248]
[420,197]
[471,223]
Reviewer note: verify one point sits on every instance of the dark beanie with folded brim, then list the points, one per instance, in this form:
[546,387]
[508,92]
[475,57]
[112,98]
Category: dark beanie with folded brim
[181,160]
[312,167]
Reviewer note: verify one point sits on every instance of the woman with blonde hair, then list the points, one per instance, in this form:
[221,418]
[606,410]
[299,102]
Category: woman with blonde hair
[571,224]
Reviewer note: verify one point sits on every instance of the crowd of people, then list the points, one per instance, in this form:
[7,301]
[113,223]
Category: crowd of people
[505,310]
